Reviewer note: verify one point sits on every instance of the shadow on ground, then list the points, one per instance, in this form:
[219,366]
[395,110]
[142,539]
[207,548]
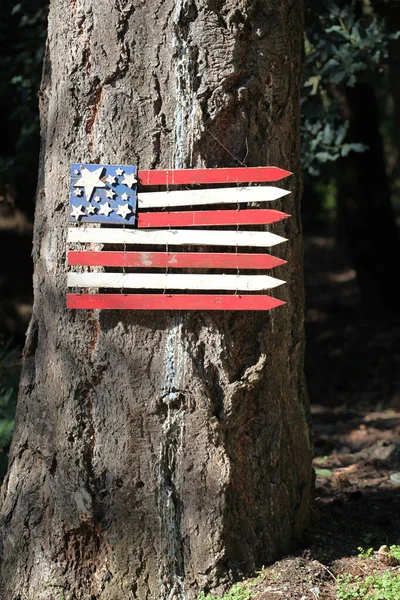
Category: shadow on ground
[353,374]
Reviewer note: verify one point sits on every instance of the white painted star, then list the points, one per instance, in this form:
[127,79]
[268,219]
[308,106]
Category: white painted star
[90,180]
[91,210]
[105,209]
[97,199]
[77,212]
[129,180]
[78,192]
[124,196]
[123,210]
[119,172]
[111,180]
[110,194]
[76,172]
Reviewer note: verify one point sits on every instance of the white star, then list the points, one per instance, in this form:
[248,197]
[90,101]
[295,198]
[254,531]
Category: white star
[124,196]
[110,179]
[97,199]
[90,180]
[77,212]
[119,172]
[91,210]
[123,210]
[76,172]
[78,192]
[105,209]
[110,194]
[129,180]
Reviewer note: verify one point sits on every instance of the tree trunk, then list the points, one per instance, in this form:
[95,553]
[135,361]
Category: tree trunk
[389,10]
[365,213]
[156,454]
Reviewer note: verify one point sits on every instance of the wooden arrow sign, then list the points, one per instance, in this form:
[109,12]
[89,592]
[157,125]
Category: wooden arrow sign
[207,176]
[146,232]
[171,302]
[174,260]
[209,217]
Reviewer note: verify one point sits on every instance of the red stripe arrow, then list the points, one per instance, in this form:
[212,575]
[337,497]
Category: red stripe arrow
[171,302]
[177,260]
[199,176]
[210,217]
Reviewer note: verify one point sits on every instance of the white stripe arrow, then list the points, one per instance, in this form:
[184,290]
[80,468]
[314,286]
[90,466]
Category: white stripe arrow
[173,282]
[174,237]
[225,195]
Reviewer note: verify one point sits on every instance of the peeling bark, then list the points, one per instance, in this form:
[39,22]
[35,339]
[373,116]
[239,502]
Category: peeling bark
[158,454]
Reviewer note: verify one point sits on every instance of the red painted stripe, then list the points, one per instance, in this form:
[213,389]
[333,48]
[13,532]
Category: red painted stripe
[171,302]
[177,260]
[192,176]
[209,217]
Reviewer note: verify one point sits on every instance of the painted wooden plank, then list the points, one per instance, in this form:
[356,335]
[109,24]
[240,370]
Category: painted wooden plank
[171,302]
[232,195]
[199,176]
[167,281]
[209,217]
[177,260]
[174,237]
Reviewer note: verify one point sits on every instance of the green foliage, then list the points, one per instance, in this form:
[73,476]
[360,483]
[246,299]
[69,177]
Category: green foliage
[365,552]
[378,586]
[343,45]
[394,552]
[323,472]
[239,591]
[9,381]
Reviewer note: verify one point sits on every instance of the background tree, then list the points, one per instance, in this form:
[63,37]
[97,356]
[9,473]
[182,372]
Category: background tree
[348,50]
[22,37]
[157,454]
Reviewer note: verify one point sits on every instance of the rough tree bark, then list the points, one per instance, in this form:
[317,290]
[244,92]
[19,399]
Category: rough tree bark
[157,454]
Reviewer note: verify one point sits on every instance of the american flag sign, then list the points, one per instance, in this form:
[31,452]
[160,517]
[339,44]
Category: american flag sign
[187,249]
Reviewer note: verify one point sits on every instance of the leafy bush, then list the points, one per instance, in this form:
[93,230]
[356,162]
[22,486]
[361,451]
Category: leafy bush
[394,552]
[343,46]
[365,552]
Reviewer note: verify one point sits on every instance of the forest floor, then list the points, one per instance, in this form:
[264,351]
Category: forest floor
[353,374]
